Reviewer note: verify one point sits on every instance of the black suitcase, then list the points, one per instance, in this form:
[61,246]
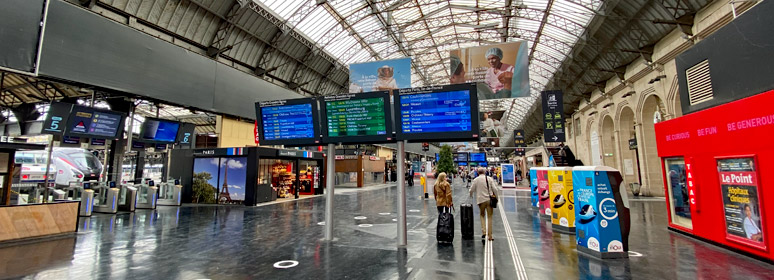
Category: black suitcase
[445,230]
[466,219]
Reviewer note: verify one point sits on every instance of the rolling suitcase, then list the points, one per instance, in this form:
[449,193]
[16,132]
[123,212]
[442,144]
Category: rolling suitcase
[445,230]
[466,219]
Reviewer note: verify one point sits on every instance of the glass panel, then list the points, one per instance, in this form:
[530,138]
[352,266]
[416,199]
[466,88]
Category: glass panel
[678,192]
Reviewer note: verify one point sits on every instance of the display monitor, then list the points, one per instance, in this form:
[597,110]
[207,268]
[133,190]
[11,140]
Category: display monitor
[94,123]
[159,131]
[478,157]
[357,118]
[460,157]
[462,163]
[437,112]
[292,122]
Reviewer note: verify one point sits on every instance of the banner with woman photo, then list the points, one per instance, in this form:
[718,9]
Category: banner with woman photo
[501,70]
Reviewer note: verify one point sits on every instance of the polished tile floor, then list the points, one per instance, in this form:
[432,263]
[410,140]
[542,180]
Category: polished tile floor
[233,242]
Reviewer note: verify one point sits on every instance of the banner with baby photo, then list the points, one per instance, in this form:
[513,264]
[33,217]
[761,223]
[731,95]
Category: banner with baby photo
[380,75]
[501,70]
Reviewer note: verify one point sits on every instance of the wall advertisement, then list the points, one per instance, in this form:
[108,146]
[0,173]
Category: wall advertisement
[509,175]
[380,75]
[741,201]
[502,70]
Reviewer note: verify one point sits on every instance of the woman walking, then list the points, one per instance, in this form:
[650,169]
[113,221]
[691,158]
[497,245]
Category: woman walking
[483,188]
[443,193]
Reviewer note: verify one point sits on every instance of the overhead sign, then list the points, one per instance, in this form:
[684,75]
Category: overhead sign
[553,116]
[97,142]
[291,122]
[518,138]
[437,112]
[380,75]
[185,136]
[56,118]
[360,118]
[520,152]
[94,123]
[633,144]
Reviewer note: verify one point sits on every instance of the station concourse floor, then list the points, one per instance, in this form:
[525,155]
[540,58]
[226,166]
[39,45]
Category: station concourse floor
[237,242]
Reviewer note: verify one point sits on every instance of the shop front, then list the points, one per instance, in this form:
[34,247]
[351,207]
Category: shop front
[359,171]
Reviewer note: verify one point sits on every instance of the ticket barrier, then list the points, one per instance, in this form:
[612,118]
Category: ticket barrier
[77,191]
[127,199]
[105,198]
[602,212]
[146,195]
[561,199]
[169,193]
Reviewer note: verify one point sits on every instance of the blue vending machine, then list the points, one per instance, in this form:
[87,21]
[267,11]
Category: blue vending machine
[602,221]
[533,186]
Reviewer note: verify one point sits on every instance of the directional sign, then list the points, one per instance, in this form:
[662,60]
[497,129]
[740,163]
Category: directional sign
[518,138]
[553,116]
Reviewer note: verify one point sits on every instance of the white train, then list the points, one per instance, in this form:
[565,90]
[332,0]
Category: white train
[69,165]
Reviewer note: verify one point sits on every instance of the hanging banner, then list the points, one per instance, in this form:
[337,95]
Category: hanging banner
[741,200]
[502,70]
[518,138]
[380,75]
[553,116]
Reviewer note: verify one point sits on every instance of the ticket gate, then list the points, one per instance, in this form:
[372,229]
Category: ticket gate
[602,213]
[105,198]
[127,198]
[169,193]
[78,192]
[146,195]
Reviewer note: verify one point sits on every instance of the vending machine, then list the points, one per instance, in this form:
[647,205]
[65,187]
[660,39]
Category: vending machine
[602,213]
[561,198]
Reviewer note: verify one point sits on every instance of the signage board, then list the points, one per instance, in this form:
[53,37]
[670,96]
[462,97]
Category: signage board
[460,157]
[518,138]
[380,75]
[137,144]
[97,142]
[437,112]
[56,118]
[478,157]
[292,122]
[185,136]
[520,152]
[94,123]
[159,131]
[294,153]
[633,144]
[553,116]
[509,175]
[71,140]
[361,118]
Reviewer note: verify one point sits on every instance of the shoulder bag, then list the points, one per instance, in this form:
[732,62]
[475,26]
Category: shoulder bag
[492,195]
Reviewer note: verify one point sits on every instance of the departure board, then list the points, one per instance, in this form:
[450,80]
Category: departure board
[291,122]
[459,157]
[94,123]
[288,122]
[479,157]
[357,118]
[445,112]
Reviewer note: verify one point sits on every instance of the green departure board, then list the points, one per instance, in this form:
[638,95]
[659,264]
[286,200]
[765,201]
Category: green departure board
[356,117]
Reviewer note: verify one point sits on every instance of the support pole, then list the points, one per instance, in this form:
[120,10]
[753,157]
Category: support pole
[329,181]
[401,195]
[48,168]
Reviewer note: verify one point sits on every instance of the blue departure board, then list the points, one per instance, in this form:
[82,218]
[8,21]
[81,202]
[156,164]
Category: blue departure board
[479,157]
[288,122]
[436,112]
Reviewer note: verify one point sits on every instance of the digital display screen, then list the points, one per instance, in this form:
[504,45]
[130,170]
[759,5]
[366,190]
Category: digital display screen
[460,157]
[356,117]
[462,163]
[88,122]
[479,157]
[159,130]
[287,122]
[292,122]
[437,112]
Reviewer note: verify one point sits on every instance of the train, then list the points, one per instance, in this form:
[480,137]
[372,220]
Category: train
[69,165]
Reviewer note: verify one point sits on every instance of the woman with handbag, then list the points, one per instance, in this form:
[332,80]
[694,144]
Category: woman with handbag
[443,194]
[486,192]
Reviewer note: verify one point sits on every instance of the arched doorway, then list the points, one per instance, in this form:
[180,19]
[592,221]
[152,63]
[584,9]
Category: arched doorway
[594,145]
[609,153]
[629,157]
[653,111]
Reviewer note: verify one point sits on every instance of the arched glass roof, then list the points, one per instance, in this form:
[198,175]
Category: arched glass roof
[357,31]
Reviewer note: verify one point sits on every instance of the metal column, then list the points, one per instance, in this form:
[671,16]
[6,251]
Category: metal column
[329,181]
[401,194]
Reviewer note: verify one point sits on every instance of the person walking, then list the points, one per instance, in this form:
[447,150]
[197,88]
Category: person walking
[443,194]
[483,188]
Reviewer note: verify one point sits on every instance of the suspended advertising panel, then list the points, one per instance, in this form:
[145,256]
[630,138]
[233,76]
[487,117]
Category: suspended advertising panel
[380,75]
[501,69]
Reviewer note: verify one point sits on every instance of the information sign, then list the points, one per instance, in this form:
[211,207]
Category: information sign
[94,123]
[292,122]
[553,116]
[478,157]
[56,118]
[461,157]
[360,118]
[437,112]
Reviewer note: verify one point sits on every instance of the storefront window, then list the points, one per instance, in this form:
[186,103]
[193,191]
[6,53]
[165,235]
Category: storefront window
[309,177]
[678,192]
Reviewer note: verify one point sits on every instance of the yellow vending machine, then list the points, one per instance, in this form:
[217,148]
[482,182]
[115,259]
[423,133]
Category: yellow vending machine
[562,201]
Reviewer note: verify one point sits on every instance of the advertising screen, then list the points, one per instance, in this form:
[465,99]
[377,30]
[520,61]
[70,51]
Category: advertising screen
[461,157]
[380,75]
[509,175]
[478,157]
[502,69]
[94,123]
[741,200]
[357,118]
[439,112]
[157,130]
[291,122]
